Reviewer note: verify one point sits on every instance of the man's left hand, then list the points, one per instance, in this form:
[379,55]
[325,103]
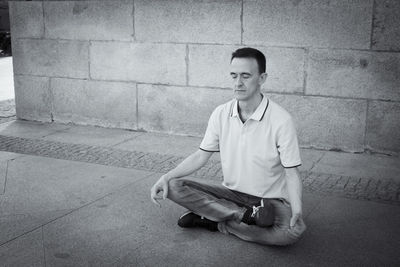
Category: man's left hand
[294,219]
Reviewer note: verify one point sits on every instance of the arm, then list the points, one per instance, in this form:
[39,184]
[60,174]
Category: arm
[295,188]
[191,164]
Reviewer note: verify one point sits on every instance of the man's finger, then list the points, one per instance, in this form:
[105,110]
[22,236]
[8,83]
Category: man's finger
[165,191]
[155,201]
[293,220]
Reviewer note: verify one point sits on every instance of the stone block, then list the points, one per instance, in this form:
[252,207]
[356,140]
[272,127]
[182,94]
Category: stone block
[327,123]
[188,21]
[148,63]
[386,29]
[358,74]
[209,66]
[108,104]
[89,20]
[32,98]
[383,126]
[26,19]
[178,110]
[341,24]
[51,58]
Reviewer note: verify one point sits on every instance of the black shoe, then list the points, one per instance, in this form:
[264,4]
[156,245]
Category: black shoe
[263,215]
[189,220]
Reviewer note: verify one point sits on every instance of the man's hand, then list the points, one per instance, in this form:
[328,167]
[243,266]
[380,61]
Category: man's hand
[160,186]
[295,216]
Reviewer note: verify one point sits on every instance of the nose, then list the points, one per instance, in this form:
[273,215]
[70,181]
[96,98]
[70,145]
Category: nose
[238,81]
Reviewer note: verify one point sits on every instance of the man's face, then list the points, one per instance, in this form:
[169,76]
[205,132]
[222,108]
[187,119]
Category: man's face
[246,78]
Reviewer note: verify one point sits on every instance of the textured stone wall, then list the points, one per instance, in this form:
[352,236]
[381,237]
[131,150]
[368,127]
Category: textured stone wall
[164,65]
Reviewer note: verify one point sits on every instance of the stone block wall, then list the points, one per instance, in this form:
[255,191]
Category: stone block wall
[164,65]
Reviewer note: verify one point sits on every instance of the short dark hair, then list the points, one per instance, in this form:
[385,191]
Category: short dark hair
[251,53]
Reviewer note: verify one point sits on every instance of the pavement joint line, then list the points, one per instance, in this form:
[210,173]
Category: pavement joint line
[317,161]
[44,248]
[366,188]
[122,187]
[127,140]
[5,178]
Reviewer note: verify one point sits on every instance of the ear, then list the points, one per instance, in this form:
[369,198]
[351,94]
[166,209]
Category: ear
[262,78]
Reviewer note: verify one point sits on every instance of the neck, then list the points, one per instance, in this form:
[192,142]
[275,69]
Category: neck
[250,105]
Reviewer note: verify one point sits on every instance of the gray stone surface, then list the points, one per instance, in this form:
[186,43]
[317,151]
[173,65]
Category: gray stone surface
[358,74]
[40,190]
[367,166]
[94,136]
[114,231]
[209,66]
[339,24]
[355,233]
[24,251]
[383,126]
[327,123]
[310,158]
[386,30]
[179,110]
[55,58]
[188,21]
[89,20]
[32,98]
[180,146]
[126,62]
[381,189]
[30,129]
[26,19]
[109,104]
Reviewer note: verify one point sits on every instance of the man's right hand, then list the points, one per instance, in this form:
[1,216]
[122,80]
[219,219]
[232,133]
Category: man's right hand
[160,186]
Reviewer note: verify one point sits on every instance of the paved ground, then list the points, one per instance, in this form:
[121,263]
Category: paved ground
[79,196]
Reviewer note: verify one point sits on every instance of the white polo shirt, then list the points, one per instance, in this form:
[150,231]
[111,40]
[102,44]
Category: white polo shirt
[255,153]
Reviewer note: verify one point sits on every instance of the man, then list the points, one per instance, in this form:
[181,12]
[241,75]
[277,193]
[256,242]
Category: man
[260,197]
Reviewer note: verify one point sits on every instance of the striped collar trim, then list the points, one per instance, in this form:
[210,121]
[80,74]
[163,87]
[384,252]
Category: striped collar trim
[258,115]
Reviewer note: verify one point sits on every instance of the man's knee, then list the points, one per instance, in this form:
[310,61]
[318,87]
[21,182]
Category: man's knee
[289,236]
[175,186]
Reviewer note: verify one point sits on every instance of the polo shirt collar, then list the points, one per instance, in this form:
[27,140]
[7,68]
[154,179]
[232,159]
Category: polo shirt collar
[258,115]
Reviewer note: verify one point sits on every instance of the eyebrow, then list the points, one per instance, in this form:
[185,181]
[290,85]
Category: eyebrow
[245,73]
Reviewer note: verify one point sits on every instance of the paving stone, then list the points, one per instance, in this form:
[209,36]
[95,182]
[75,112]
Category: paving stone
[126,62]
[383,126]
[54,58]
[188,21]
[26,19]
[339,24]
[88,20]
[192,106]
[386,30]
[43,197]
[155,142]
[32,97]
[209,66]
[30,129]
[368,166]
[108,104]
[363,224]
[94,136]
[327,123]
[357,74]
[24,251]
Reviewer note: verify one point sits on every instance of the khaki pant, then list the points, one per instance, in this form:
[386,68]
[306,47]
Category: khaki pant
[227,207]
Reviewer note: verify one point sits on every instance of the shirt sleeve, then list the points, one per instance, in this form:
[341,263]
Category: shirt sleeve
[288,146]
[210,141]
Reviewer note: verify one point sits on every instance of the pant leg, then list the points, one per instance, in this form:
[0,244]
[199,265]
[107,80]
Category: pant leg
[214,202]
[279,234]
